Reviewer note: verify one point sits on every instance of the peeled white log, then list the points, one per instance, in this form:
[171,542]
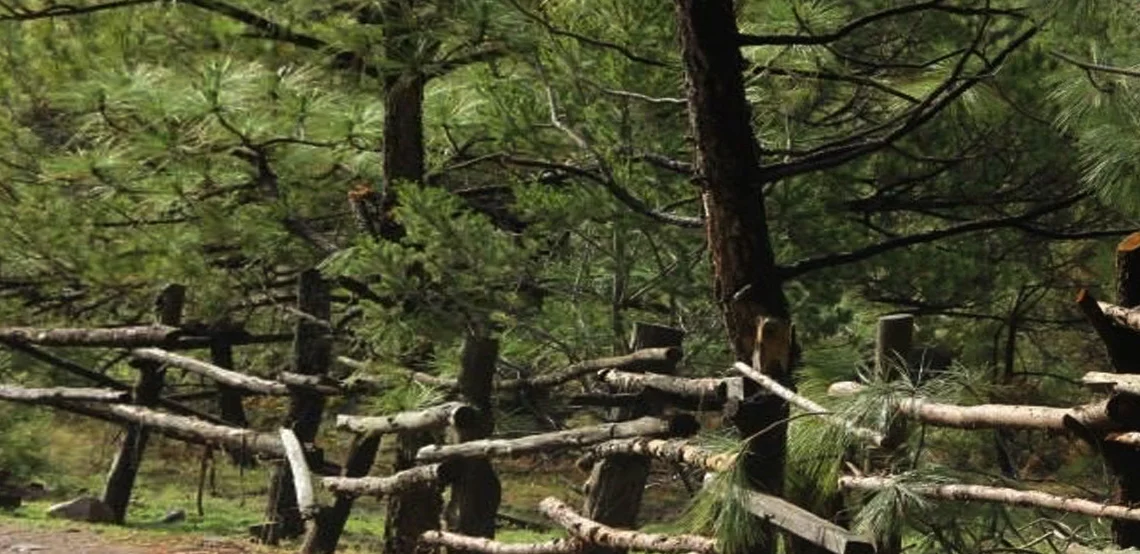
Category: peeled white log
[230,437]
[670,450]
[221,375]
[597,533]
[488,546]
[999,495]
[435,417]
[385,486]
[112,337]
[698,388]
[302,479]
[32,396]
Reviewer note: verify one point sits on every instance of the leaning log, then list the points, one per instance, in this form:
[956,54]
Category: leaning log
[33,396]
[192,429]
[999,495]
[709,388]
[112,337]
[230,378]
[771,385]
[435,417]
[677,451]
[468,543]
[648,358]
[597,533]
[1094,416]
[386,486]
[417,376]
[678,425]
[302,478]
[804,524]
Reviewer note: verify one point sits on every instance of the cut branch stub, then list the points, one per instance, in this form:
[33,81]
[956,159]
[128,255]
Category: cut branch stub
[677,425]
[435,417]
[597,533]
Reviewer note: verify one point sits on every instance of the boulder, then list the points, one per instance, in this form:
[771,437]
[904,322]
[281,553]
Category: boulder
[84,508]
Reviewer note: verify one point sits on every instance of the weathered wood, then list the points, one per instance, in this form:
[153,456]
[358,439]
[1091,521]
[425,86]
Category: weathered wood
[616,484]
[639,400]
[328,525]
[146,392]
[232,379]
[1124,459]
[1124,383]
[417,509]
[312,355]
[892,346]
[487,546]
[600,534]
[108,337]
[999,495]
[392,484]
[1095,416]
[476,491]
[39,395]
[709,388]
[427,419]
[809,406]
[804,524]
[193,429]
[677,425]
[641,359]
[230,400]
[677,451]
[319,384]
[302,478]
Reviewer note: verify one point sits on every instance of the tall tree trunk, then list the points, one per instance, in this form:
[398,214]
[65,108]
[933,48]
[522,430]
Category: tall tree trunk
[747,284]
[1124,459]
[121,479]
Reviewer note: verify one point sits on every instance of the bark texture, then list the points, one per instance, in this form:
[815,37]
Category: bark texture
[468,543]
[1124,459]
[20,394]
[416,509]
[328,525]
[476,491]
[427,419]
[677,451]
[596,533]
[229,378]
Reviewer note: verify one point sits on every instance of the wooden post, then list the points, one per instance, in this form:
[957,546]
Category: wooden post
[1124,460]
[230,399]
[323,536]
[121,479]
[312,355]
[617,482]
[893,343]
[476,491]
[416,510]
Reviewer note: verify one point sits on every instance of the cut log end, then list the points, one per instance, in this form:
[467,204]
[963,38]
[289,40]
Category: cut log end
[1130,244]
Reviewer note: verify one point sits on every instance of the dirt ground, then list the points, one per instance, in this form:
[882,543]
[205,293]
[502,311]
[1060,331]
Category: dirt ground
[84,540]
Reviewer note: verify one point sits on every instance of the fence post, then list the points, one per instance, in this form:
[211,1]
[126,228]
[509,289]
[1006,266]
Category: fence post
[1124,460]
[148,387]
[415,510]
[312,355]
[476,491]
[893,343]
[230,399]
[617,482]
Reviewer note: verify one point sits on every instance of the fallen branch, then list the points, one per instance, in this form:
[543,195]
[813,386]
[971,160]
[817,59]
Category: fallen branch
[221,375]
[392,484]
[302,479]
[18,394]
[120,337]
[593,532]
[435,417]
[459,542]
[999,495]
[678,425]
[677,451]
[771,385]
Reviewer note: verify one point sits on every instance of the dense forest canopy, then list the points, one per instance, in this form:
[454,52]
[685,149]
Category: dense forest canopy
[552,172]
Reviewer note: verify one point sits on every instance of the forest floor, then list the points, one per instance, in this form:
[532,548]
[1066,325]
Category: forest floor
[18,538]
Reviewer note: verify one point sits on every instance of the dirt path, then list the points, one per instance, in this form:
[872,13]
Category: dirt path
[84,540]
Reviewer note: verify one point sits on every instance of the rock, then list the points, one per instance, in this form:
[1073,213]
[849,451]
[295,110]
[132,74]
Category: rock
[84,508]
[173,516]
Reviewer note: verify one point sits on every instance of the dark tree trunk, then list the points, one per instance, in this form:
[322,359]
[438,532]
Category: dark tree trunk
[325,533]
[617,482]
[312,355]
[476,491]
[121,479]
[747,283]
[414,511]
[1123,459]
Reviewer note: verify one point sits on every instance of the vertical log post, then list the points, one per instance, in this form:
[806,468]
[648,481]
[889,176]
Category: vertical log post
[616,483]
[476,491]
[762,421]
[415,510]
[312,355]
[121,479]
[1124,460]
[323,536]
[893,343]
[230,399]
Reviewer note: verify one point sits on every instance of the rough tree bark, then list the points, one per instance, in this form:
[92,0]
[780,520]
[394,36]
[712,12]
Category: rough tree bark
[617,482]
[121,480]
[230,405]
[415,510]
[1124,459]
[328,524]
[746,281]
[312,355]
[476,491]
